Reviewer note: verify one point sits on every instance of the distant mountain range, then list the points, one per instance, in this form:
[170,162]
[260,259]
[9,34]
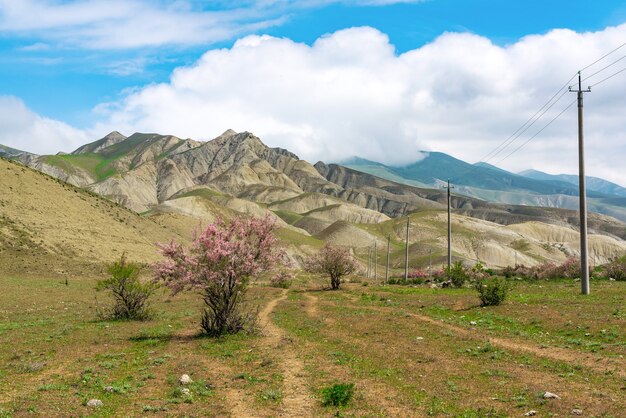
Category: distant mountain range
[162,175]
[493,184]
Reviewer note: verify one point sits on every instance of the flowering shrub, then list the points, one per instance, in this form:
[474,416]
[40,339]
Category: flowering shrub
[615,269]
[477,272]
[219,265]
[282,279]
[569,269]
[417,274]
[439,275]
[334,261]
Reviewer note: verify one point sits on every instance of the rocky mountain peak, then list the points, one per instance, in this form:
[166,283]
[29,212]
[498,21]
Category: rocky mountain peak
[110,139]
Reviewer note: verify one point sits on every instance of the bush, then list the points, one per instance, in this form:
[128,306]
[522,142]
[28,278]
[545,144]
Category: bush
[615,269]
[334,261]
[219,264]
[477,272]
[401,281]
[282,279]
[457,274]
[338,394]
[417,274]
[130,295]
[491,292]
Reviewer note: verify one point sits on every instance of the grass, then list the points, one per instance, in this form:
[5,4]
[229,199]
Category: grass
[100,167]
[412,351]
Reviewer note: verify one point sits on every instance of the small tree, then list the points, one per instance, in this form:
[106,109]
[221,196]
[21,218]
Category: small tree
[219,265]
[130,294]
[334,261]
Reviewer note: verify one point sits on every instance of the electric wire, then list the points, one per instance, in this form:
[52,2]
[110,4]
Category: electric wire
[602,57]
[539,131]
[609,77]
[604,68]
[542,111]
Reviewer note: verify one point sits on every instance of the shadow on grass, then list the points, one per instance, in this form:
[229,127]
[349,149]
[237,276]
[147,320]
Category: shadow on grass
[163,338]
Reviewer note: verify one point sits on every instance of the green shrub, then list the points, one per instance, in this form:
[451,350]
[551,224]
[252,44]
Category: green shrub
[457,274]
[130,294]
[337,394]
[491,292]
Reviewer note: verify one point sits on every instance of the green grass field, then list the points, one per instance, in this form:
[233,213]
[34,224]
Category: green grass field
[410,351]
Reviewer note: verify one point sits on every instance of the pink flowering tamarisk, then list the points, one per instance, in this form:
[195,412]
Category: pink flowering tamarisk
[333,261]
[219,264]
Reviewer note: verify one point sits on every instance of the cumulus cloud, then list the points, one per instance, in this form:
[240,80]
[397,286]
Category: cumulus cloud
[350,94]
[25,130]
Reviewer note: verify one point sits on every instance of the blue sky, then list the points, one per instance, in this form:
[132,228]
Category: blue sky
[447,75]
[64,81]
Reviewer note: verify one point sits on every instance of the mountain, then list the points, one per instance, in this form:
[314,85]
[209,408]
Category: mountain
[12,153]
[490,183]
[176,180]
[593,183]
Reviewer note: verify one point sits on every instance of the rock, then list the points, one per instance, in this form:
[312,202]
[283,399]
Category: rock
[531,413]
[109,389]
[185,379]
[185,392]
[433,286]
[94,403]
[577,411]
[472,322]
[550,395]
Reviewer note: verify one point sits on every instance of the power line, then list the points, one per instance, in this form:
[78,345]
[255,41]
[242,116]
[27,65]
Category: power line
[609,77]
[602,57]
[538,132]
[541,112]
[604,68]
[517,133]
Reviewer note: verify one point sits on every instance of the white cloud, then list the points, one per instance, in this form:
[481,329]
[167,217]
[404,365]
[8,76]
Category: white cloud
[25,130]
[350,94]
[129,24]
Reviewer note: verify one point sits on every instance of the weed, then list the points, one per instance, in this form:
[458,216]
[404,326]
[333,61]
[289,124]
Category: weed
[273,395]
[338,394]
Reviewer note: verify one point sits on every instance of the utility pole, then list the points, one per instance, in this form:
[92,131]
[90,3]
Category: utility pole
[369,262]
[582,192]
[387,267]
[375,260]
[430,262]
[449,228]
[406,255]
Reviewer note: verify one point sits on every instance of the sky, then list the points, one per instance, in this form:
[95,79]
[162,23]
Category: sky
[326,79]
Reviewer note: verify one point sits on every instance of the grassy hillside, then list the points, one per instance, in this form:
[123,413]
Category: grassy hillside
[47,222]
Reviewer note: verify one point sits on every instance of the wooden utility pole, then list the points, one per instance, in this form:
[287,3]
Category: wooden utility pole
[582,192]
[406,255]
[430,262]
[369,262]
[449,228]
[375,260]
[387,267]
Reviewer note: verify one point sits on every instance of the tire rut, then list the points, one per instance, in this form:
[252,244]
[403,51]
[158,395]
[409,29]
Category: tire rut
[296,395]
